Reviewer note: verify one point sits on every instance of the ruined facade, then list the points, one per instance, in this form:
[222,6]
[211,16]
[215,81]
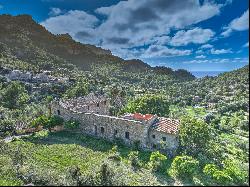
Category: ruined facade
[148,131]
[29,77]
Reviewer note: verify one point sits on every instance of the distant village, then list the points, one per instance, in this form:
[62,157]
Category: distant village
[18,75]
[29,77]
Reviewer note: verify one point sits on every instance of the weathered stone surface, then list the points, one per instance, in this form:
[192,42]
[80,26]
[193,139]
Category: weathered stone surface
[111,127]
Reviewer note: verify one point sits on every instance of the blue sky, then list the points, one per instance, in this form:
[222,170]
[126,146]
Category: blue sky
[197,35]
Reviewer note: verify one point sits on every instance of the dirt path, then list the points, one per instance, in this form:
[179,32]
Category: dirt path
[10,138]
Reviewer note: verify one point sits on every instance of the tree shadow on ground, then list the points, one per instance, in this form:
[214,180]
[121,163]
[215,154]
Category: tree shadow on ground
[95,144]
[87,141]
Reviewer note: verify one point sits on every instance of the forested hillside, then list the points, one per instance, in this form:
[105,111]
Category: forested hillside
[213,113]
[26,43]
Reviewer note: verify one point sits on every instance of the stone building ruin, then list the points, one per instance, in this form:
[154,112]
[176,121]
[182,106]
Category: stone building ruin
[148,131]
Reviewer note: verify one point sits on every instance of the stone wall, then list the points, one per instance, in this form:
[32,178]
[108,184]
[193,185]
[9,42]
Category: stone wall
[108,127]
[159,139]
[111,127]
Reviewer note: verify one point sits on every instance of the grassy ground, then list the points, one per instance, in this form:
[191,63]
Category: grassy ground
[52,154]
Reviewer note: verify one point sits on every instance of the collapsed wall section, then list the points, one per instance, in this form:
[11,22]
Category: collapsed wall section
[108,127]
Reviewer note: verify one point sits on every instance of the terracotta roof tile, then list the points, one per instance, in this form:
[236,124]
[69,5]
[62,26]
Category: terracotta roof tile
[167,125]
[141,116]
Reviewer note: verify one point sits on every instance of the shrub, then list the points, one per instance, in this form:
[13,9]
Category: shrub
[6,127]
[119,142]
[54,121]
[231,174]
[136,145]
[134,159]
[114,154]
[156,160]
[41,120]
[235,170]
[209,169]
[72,124]
[222,177]
[183,166]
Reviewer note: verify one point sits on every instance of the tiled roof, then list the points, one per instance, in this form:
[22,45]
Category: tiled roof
[138,116]
[167,125]
[141,116]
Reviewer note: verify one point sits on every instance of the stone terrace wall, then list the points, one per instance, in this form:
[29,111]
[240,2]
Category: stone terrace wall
[171,142]
[108,127]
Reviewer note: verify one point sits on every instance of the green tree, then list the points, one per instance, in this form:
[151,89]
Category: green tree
[217,175]
[81,88]
[194,135]
[14,95]
[54,121]
[184,166]
[148,104]
[157,160]
[6,126]
[40,121]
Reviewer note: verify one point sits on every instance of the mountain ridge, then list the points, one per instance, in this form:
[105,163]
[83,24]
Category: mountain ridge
[30,42]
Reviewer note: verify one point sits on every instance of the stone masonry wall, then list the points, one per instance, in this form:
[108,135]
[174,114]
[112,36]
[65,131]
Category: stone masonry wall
[156,138]
[108,127]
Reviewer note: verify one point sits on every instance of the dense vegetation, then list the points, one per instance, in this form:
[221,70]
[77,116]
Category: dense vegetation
[214,114]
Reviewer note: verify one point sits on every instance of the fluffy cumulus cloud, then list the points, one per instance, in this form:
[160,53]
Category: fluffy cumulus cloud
[238,24]
[206,46]
[163,51]
[134,23]
[140,21]
[55,11]
[196,36]
[200,56]
[77,23]
[220,51]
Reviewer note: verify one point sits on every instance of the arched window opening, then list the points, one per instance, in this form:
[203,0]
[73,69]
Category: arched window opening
[102,130]
[127,135]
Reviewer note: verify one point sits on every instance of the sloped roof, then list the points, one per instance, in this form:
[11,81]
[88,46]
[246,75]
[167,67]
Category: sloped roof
[138,116]
[142,117]
[166,125]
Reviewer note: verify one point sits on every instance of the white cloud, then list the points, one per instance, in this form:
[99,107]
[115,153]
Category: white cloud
[199,51]
[134,23]
[238,24]
[206,46]
[74,22]
[196,61]
[196,35]
[246,44]
[201,56]
[220,51]
[163,51]
[1,6]
[55,11]
[218,61]
[142,20]
[162,40]
[104,10]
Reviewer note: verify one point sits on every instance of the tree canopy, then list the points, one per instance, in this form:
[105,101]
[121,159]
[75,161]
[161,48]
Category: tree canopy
[148,105]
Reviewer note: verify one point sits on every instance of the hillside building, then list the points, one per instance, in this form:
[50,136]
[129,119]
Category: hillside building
[148,131]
